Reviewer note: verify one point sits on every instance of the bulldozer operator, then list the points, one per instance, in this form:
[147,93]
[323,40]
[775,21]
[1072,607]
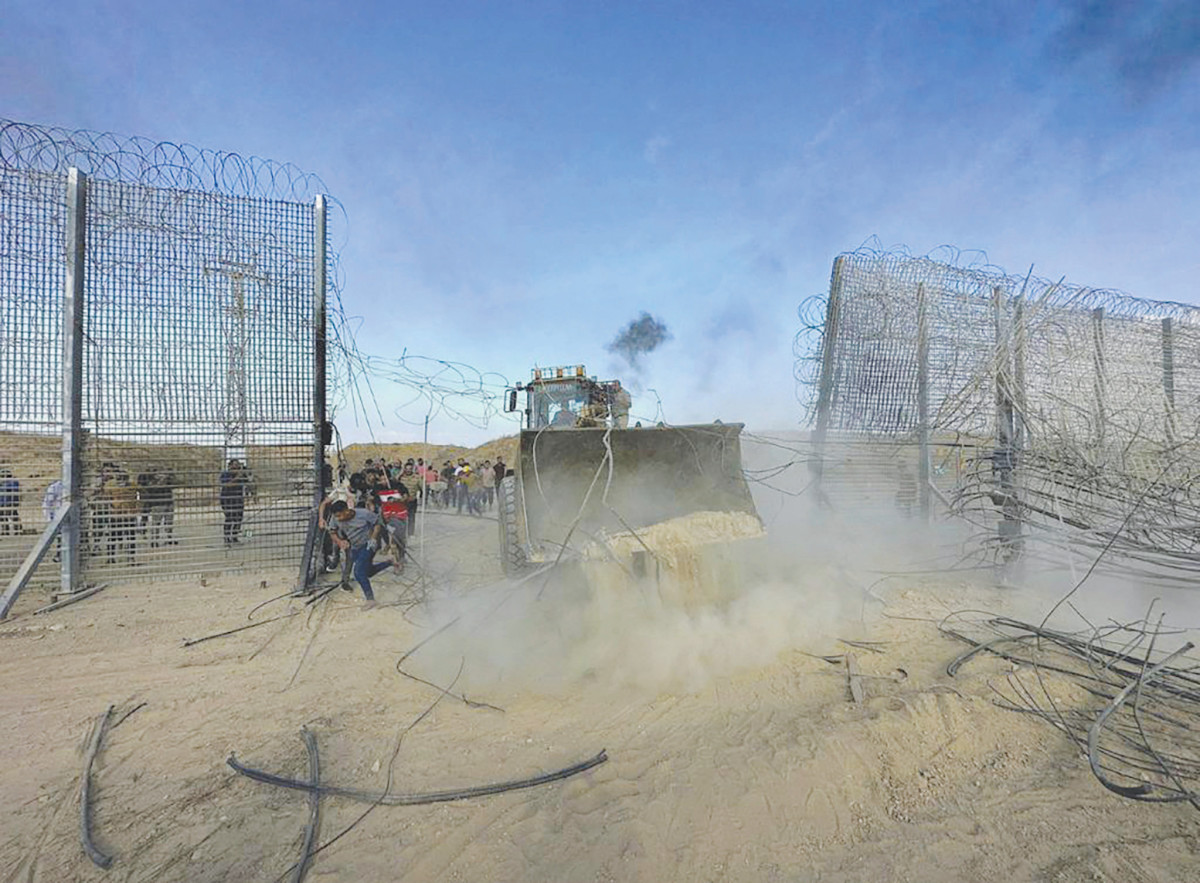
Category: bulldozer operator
[564,419]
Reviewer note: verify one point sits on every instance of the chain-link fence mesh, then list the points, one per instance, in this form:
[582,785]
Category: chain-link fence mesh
[1043,407]
[32,220]
[198,365]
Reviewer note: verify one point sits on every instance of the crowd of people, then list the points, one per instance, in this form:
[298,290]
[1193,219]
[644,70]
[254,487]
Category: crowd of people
[456,484]
[376,508]
[364,512]
[120,508]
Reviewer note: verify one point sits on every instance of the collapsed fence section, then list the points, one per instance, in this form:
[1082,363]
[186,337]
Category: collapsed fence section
[161,358]
[1035,408]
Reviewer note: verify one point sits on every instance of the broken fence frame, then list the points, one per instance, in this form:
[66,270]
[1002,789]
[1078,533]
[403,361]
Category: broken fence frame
[35,556]
[1010,379]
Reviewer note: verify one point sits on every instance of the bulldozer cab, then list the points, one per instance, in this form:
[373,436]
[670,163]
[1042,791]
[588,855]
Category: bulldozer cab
[565,398]
[556,404]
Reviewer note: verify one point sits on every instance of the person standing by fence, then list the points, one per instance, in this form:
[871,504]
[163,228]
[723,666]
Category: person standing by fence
[158,507]
[10,502]
[234,481]
[448,478]
[99,503]
[487,484]
[125,510]
[51,501]
[464,486]
[435,488]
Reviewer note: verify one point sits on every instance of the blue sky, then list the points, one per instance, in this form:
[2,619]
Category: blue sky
[521,180]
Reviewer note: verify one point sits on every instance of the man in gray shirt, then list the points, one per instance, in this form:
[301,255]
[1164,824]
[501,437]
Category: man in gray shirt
[356,528]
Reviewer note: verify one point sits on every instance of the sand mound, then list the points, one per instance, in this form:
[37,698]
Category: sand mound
[694,561]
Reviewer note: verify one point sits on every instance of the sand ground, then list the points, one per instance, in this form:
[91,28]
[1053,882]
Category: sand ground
[734,754]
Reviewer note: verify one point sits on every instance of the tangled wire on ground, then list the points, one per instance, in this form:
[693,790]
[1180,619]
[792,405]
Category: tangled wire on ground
[1131,710]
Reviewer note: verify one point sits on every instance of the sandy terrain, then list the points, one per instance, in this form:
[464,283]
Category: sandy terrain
[734,753]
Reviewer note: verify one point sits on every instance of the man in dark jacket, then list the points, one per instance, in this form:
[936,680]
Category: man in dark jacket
[448,478]
[235,482]
[10,502]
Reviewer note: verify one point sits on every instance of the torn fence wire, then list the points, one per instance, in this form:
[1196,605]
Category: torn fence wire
[1043,412]
[428,797]
[1133,712]
[312,829]
[193,641]
[101,859]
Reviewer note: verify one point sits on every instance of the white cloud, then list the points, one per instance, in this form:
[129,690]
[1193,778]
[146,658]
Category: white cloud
[654,148]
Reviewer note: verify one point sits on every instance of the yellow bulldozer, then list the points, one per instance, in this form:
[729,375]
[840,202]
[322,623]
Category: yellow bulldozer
[584,477]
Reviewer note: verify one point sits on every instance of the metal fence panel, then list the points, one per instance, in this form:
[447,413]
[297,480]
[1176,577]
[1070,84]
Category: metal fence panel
[32,223]
[1071,409]
[198,365]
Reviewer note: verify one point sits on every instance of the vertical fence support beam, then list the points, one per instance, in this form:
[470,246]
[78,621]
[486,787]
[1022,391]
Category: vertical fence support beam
[924,450]
[1101,383]
[826,389]
[1020,395]
[1004,460]
[319,342]
[72,376]
[318,400]
[1168,370]
[1003,358]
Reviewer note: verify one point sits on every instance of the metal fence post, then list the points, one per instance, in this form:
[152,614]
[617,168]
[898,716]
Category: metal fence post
[826,390]
[318,369]
[319,341]
[1003,357]
[1004,459]
[924,452]
[72,375]
[1168,377]
[1019,393]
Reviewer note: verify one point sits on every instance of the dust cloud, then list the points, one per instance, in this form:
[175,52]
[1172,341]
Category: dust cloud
[805,584]
[823,571]
[552,635]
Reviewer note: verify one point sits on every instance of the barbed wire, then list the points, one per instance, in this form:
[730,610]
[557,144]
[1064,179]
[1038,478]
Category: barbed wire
[877,337]
[164,164]
[441,388]
[202,177]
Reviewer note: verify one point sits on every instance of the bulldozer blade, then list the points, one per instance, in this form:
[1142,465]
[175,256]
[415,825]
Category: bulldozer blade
[577,482]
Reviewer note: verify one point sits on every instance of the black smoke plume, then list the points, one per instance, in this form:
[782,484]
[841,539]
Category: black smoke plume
[643,335]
